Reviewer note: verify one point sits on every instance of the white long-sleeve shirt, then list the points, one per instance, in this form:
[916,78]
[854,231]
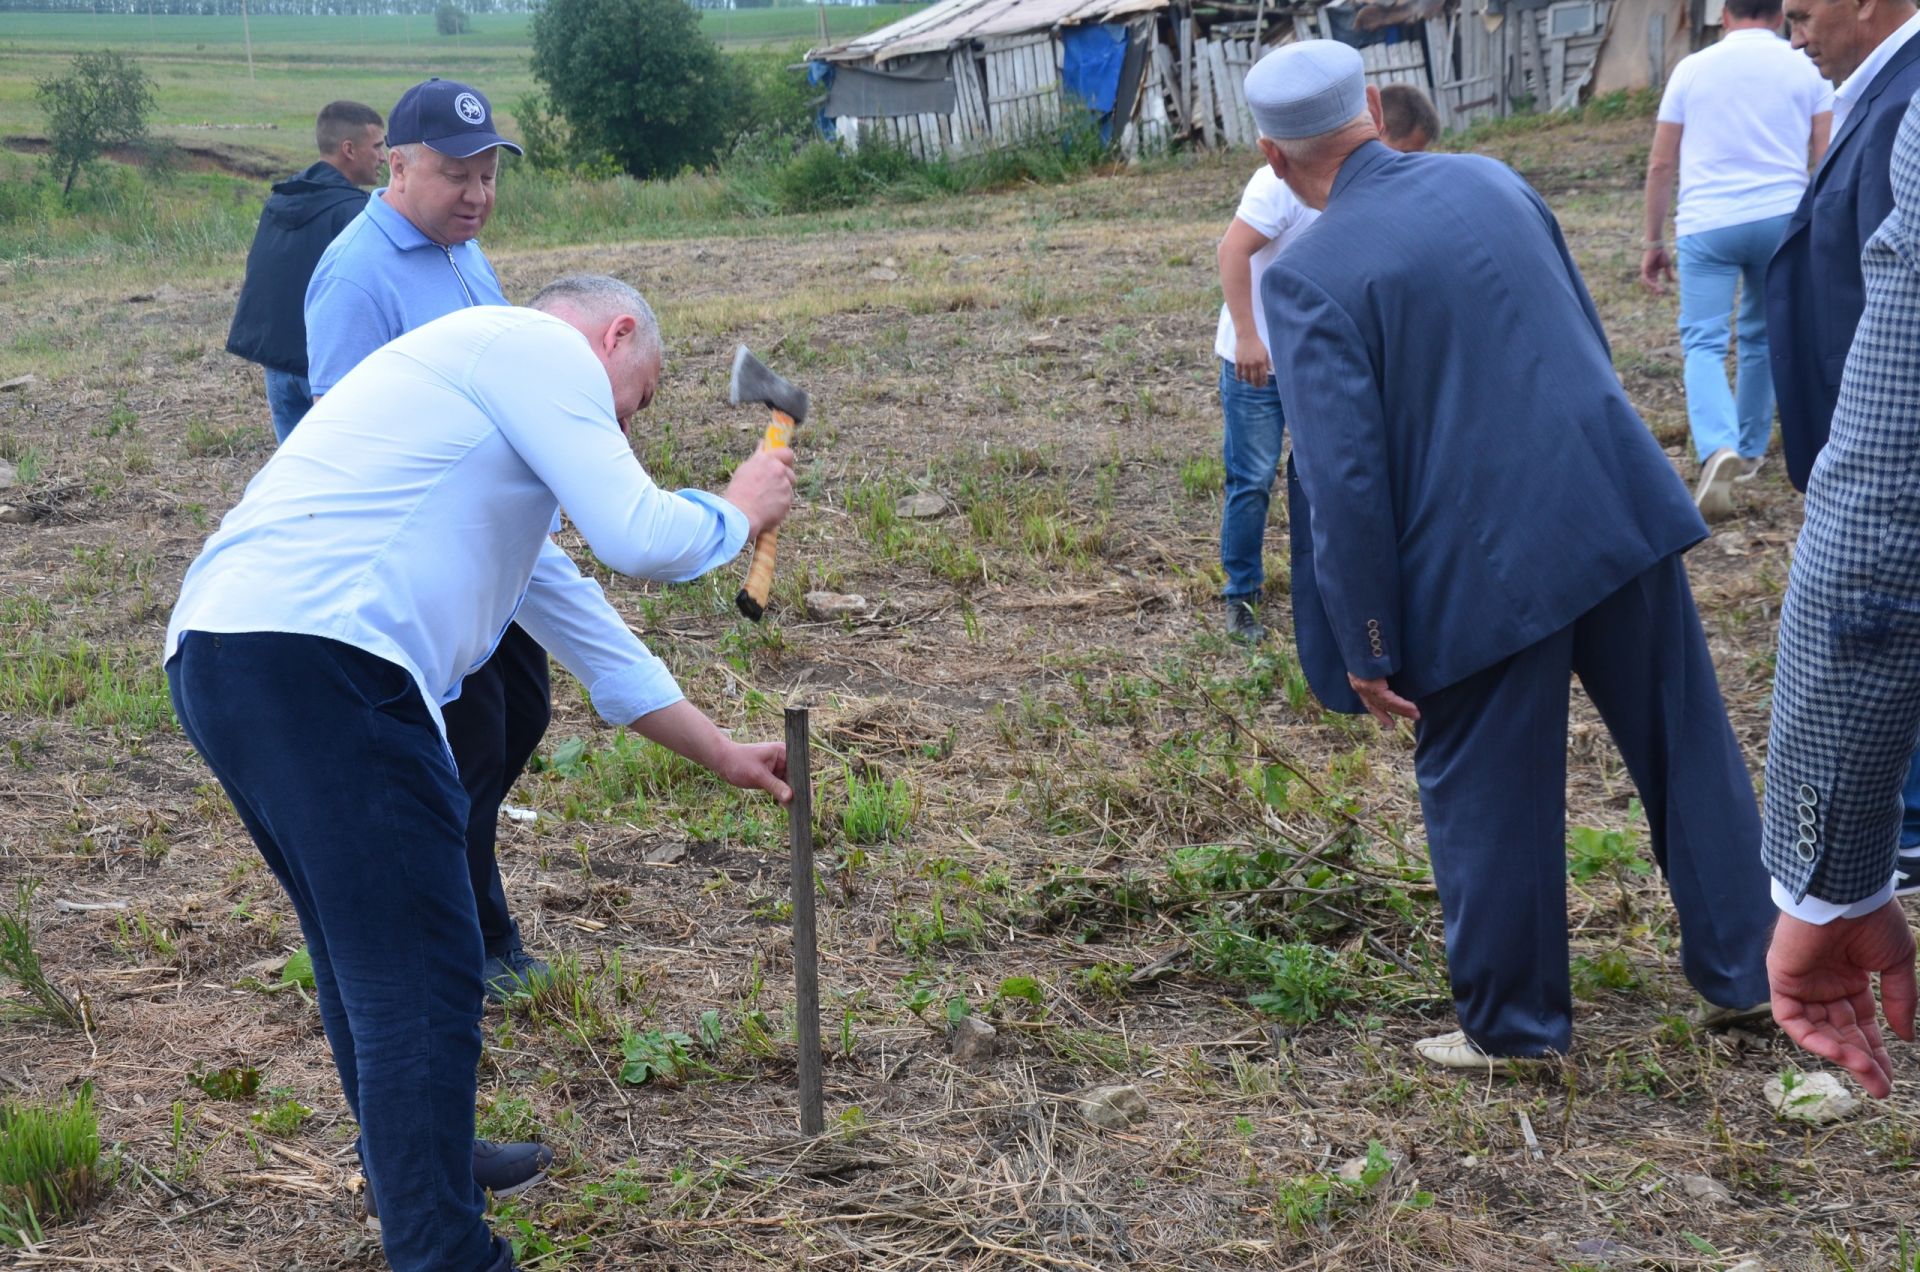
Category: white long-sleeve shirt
[409,513]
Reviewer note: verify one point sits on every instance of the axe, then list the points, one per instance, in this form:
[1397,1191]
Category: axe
[752,382]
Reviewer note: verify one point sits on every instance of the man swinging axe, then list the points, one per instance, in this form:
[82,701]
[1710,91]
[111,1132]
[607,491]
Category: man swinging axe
[375,561]
[753,382]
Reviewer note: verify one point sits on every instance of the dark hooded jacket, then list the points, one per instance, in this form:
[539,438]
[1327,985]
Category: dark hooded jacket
[301,217]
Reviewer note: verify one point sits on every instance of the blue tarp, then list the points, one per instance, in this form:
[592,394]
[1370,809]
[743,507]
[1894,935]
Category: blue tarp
[1090,64]
[820,75]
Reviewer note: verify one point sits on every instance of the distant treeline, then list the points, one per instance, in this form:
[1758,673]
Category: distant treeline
[345,8]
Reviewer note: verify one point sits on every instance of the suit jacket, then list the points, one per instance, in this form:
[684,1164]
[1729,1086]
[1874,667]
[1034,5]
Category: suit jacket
[1846,689]
[1813,281]
[1470,475]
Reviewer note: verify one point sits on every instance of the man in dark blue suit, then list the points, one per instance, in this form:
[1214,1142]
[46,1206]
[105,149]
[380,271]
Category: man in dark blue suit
[1814,290]
[1814,294]
[1479,514]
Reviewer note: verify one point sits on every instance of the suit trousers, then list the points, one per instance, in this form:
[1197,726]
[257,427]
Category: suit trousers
[1492,767]
[493,728]
[336,769]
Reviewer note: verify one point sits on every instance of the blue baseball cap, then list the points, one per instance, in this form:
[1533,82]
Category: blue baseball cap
[447,116]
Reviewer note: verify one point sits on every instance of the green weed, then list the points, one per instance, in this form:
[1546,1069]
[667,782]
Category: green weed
[878,811]
[20,965]
[284,1116]
[49,1165]
[235,1082]
[1203,476]
[655,1053]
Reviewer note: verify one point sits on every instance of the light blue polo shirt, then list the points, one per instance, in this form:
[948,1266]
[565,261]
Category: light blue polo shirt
[380,277]
[408,515]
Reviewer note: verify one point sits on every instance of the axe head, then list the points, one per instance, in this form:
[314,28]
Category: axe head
[752,382]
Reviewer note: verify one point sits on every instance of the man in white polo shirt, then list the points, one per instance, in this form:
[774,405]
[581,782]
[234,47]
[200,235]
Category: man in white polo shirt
[1741,121]
[373,563]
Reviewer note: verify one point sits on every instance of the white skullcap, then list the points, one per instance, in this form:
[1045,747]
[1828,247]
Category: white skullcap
[1306,88]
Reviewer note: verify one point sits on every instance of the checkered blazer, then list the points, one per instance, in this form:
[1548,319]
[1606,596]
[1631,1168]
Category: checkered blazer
[1846,690]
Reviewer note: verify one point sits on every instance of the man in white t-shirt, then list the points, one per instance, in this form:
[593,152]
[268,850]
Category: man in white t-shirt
[1268,218]
[1742,121]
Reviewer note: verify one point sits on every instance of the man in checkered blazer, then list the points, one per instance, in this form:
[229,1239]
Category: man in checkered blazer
[1846,698]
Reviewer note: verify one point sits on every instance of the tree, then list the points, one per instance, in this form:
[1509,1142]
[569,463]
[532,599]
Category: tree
[450,19]
[637,80]
[103,100]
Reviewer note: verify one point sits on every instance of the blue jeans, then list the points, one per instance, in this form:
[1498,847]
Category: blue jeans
[289,399]
[1712,263]
[1251,451]
[337,771]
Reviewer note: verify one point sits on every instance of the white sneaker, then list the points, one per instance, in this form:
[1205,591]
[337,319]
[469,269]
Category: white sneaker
[1713,493]
[1750,468]
[1457,1051]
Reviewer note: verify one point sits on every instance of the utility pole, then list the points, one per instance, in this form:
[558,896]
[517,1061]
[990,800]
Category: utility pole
[246,29]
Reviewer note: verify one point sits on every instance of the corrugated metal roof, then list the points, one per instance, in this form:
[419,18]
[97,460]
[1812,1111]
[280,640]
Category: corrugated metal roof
[943,25]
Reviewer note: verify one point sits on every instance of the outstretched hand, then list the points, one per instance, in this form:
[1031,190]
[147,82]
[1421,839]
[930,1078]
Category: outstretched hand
[1822,978]
[756,766]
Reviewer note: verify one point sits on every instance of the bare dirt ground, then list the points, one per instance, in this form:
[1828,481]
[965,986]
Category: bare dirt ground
[1112,827]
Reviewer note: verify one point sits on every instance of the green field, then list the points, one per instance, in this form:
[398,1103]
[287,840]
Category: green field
[207,91]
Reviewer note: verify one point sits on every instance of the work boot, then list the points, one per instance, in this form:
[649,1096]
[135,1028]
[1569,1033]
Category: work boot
[1242,624]
[512,973]
[505,1170]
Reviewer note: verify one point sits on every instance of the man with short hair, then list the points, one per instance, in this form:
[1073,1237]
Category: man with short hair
[1408,120]
[1814,288]
[334,616]
[301,217]
[413,256]
[1740,122]
[1253,424]
[1482,515]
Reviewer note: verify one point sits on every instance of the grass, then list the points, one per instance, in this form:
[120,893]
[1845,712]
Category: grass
[20,966]
[49,1165]
[205,92]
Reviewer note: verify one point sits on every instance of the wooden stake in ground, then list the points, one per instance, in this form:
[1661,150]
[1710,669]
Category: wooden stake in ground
[806,968]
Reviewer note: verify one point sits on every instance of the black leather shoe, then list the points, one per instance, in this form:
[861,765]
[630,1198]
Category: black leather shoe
[1242,625]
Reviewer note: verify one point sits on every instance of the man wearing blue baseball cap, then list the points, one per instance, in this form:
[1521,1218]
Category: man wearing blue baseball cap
[410,257]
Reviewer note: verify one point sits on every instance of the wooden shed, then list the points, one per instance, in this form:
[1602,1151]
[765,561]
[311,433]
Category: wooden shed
[966,75]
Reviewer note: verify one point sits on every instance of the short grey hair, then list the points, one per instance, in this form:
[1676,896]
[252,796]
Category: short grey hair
[601,298]
[409,151]
[1307,152]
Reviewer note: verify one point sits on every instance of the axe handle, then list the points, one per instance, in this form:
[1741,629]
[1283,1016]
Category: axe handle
[752,599]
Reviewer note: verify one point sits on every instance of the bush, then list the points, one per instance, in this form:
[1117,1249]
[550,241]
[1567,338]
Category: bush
[637,80]
[102,101]
[450,19]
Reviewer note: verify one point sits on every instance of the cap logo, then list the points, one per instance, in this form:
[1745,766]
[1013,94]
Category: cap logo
[468,107]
